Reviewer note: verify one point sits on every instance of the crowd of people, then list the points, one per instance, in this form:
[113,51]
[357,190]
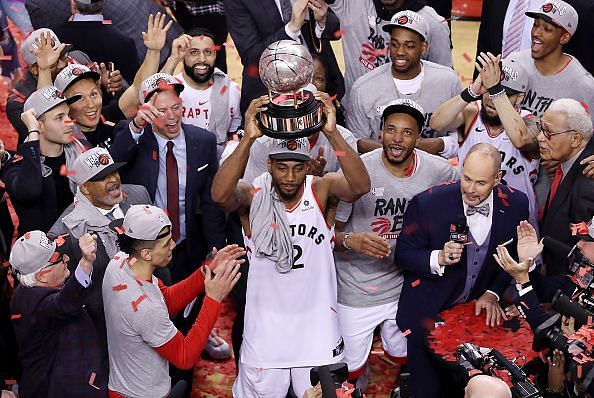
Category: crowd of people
[146,193]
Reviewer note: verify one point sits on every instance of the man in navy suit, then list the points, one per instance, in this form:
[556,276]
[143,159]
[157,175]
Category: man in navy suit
[451,272]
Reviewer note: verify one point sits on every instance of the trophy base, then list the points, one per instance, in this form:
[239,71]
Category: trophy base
[289,121]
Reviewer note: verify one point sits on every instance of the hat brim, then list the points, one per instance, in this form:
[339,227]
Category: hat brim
[107,171]
[117,226]
[534,14]
[66,101]
[66,50]
[511,91]
[392,109]
[178,87]
[90,74]
[388,28]
[299,157]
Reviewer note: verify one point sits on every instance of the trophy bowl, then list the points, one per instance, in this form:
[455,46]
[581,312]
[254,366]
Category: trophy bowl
[286,68]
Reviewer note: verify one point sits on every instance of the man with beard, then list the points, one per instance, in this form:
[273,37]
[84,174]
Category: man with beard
[365,42]
[368,283]
[493,116]
[290,321]
[406,77]
[210,98]
[440,272]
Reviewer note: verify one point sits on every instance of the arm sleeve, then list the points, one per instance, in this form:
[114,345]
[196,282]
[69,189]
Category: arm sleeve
[343,211]
[123,147]
[434,263]
[450,146]
[14,108]
[180,294]
[182,351]
[22,176]
[535,314]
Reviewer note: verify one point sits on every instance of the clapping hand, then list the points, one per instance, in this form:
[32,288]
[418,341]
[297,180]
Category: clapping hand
[528,244]
[226,254]
[489,68]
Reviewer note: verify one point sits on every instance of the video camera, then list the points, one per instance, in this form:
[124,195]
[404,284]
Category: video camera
[331,378]
[476,360]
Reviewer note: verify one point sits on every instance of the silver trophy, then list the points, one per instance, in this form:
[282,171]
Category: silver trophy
[286,68]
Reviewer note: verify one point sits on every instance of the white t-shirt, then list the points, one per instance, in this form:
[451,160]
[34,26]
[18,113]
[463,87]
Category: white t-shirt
[197,105]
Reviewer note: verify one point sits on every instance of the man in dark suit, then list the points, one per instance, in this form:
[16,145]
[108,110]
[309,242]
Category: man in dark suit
[103,43]
[149,145]
[565,136]
[254,24]
[450,272]
[493,21]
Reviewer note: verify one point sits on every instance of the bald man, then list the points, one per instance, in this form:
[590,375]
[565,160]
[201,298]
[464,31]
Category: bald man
[452,272]
[483,386]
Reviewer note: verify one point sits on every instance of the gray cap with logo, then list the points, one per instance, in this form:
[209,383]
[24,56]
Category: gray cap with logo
[71,73]
[93,165]
[31,252]
[409,20]
[292,149]
[514,78]
[143,222]
[30,44]
[46,99]
[558,13]
[158,82]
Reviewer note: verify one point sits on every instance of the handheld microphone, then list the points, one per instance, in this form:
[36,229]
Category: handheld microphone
[459,230]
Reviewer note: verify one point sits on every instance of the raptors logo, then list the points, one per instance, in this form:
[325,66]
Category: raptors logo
[383,227]
[403,20]
[547,7]
[77,71]
[161,83]
[104,160]
[291,145]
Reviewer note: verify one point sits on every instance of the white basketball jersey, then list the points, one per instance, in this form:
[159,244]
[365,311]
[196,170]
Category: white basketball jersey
[290,318]
[519,171]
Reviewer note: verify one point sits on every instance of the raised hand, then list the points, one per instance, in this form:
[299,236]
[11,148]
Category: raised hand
[298,15]
[317,164]
[147,114]
[320,10]
[88,247]
[518,271]
[490,69]
[219,286]
[329,111]
[252,128]
[477,86]
[181,46]
[29,118]
[528,244]
[226,254]
[47,57]
[156,33]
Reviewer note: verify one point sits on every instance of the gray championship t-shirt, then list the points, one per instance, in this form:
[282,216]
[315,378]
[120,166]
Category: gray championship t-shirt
[258,160]
[364,281]
[573,81]
[366,45]
[137,322]
[374,90]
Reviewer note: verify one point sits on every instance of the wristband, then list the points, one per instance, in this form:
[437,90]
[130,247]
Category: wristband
[496,91]
[467,95]
[135,125]
[496,95]
[474,95]
[344,241]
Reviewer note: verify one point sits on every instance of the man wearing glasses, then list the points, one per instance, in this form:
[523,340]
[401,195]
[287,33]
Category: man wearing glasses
[565,136]
[59,346]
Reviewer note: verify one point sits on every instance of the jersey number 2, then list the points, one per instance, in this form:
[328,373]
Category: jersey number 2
[297,253]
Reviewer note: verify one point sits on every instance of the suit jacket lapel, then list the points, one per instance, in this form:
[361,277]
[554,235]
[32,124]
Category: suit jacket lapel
[500,205]
[154,165]
[269,6]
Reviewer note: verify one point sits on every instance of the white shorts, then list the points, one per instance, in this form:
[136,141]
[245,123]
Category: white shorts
[270,383]
[357,326]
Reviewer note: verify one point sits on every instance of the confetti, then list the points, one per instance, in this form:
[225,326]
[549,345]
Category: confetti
[253,71]
[132,260]
[216,47]
[229,45]
[274,226]
[27,235]
[64,171]
[108,123]
[406,332]
[416,283]
[255,190]
[339,154]
[60,240]
[5,57]
[147,210]
[466,57]
[16,316]
[92,381]
[223,90]
[136,302]
[10,382]
[155,155]
[119,288]
[338,34]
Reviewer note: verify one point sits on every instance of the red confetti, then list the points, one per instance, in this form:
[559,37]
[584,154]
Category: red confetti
[466,57]
[339,154]
[338,34]
[223,90]
[119,288]
[255,190]
[147,210]
[108,123]
[27,235]
[107,22]
[10,382]
[274,226]
[136,302]
[5,57]
[229,45]
[132,261]
[65,171]
[120,230]
[253,71]
[416,283]
[155,155]
[503,197]
[16,316]
[371,288]
[92,381]
[579,372]
[216,48]
[60,240]
[406,332]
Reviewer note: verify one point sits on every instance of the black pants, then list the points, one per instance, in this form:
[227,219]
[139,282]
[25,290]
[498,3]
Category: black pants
[215,22]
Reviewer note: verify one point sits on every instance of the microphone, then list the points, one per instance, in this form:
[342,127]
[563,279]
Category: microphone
[459,230]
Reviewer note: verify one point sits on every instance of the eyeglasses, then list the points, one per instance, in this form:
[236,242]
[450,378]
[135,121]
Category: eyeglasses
[547,133]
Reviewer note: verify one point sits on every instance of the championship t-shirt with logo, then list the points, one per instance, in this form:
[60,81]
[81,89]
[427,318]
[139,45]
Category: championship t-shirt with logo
[362,280]
[197,104]
[572,81]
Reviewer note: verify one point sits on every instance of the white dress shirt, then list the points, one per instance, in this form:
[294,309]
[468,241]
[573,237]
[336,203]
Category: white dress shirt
[87,18]
[117,211]
[297,35]
[526,40]
[478,225]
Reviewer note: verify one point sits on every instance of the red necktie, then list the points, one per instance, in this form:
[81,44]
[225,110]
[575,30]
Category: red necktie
[555,184]
[172,190]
